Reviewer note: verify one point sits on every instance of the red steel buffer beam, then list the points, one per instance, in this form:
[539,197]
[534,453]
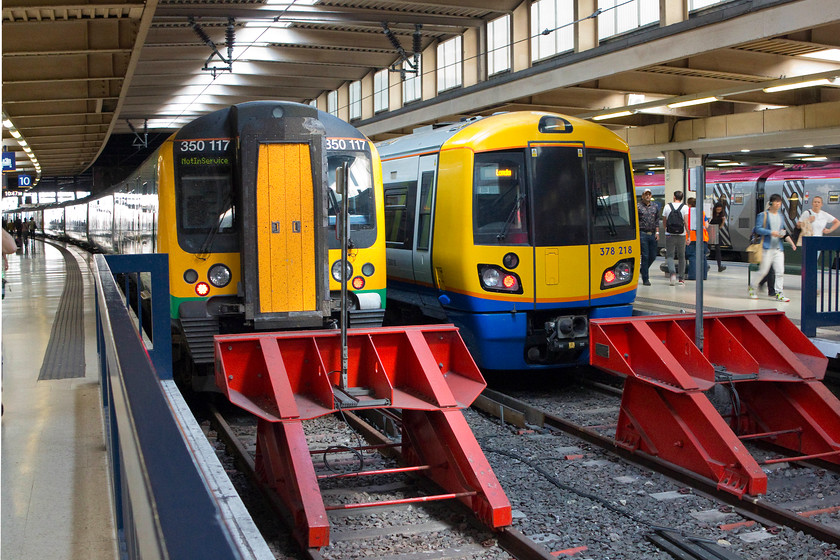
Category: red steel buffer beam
[772,371]
[285,378]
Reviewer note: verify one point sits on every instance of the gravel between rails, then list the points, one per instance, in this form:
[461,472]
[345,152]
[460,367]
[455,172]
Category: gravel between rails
[562,512]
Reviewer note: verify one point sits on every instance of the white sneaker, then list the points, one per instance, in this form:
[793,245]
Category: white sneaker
[673,279]
[751,291]
[781,297]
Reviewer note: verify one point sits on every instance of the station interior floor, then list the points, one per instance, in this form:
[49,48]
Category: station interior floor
[56,501]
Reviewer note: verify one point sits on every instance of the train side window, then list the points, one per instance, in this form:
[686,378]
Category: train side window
[833,197]
[399,223]
[424,229]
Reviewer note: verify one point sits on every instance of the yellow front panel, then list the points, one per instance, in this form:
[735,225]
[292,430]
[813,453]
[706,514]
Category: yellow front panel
[285,229]
[561,274]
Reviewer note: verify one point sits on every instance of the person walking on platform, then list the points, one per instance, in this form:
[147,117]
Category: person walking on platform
[649,232]
[816,222]
[718,219]
[691,250]
[769,226]
[9,247]
[675,238]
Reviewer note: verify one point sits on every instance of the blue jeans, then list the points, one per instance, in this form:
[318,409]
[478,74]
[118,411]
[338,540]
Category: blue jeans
[648,243]
[691,257]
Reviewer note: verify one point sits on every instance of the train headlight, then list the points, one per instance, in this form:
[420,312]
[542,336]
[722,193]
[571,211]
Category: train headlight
[202,289]
[368,269]
[496,279]
[219,275]
[511,261]
[336,271]
[619,274]
[190,276]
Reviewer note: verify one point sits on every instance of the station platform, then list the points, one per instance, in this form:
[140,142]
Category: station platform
[727,291]
[56,501]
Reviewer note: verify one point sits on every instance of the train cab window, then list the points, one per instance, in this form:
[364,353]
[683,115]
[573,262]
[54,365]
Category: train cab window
[399,206]
[206,213]
[611,190]
[362,206]
[500,206]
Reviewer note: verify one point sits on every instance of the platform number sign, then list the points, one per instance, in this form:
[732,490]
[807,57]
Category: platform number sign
[24,181]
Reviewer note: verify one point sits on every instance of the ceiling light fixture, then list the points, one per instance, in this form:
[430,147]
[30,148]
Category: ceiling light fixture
[797,85]
[612,115]
[815,158]
[691,102]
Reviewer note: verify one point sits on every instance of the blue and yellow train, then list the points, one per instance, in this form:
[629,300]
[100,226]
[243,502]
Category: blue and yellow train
[243,201]
[519,228]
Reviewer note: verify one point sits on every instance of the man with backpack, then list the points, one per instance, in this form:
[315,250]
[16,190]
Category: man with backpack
[674,217]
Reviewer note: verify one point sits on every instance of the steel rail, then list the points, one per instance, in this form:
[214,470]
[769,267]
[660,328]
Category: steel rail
[523,415]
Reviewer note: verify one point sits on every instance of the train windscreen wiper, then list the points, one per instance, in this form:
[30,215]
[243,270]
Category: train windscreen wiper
[601,205]
[204,251]
[502,234]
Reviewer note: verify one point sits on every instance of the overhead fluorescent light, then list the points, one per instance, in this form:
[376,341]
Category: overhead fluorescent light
[808,146]
[827,54]
[657,168]
[797,85]
[612,115]
[815,158]
[690,102]
[7,123]
[728,164]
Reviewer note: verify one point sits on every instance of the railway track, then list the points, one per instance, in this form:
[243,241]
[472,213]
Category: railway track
[804,497]
[408,523]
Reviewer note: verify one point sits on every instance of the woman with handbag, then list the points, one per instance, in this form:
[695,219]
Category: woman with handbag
[769,226]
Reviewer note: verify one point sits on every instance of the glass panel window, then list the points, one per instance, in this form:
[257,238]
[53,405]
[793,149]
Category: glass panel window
[380,91]
[619,16]
[412,85]
[557,17]
[698,4]
[332,103]
[314,103]
[500,205]
[498,45]
[449,58]
[355,100]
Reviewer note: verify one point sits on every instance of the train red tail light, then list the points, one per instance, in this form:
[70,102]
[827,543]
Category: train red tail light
[496,279]
[358,283]
[202,289]
[619,274]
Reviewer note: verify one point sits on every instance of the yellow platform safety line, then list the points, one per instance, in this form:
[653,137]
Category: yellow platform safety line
[286,229]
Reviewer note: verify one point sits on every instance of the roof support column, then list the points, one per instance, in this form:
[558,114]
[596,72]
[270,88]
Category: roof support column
[586,31]
[672,11]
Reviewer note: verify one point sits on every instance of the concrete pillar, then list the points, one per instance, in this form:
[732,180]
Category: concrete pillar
[586,31]
[521,33]
[672,11]
[428,89]
[473,67]
[367,95]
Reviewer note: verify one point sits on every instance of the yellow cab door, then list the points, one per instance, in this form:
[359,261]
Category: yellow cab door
[561,254]
[285,229]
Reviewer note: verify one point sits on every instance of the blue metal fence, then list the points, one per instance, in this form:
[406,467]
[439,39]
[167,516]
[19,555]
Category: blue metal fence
[820,283]
[164,508]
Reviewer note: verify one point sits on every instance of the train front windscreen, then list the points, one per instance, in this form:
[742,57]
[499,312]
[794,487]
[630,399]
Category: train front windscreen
[574,197]
[361,198]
